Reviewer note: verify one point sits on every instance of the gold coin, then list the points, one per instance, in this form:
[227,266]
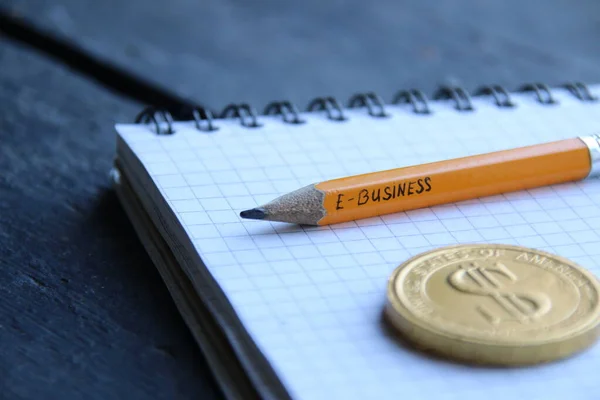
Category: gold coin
[495,304]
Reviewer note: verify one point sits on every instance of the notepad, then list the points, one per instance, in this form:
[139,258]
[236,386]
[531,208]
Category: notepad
[295,311]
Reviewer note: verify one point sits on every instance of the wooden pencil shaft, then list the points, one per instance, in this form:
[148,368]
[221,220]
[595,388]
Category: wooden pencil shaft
[401,189]
[425,185]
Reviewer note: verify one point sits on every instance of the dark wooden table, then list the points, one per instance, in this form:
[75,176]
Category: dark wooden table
[83,314]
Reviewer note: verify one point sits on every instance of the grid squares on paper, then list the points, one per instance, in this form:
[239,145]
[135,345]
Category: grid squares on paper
[311,296]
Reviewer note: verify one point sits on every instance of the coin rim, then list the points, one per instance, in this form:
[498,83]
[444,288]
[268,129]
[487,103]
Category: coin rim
[426,335]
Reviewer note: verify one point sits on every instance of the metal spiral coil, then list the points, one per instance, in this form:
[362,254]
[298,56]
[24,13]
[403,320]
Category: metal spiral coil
[162,121]
[462,99]
[542,92]
[150,114]
[370,100]
[287,110]
[581,91]
[244,112]
[200,115]
[501,95]
[416,98]
[329,104]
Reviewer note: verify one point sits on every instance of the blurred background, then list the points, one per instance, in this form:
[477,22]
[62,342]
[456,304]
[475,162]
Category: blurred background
[83,311]
[223,51]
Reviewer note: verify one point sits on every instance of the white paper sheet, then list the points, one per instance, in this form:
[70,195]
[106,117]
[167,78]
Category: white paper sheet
[311,298]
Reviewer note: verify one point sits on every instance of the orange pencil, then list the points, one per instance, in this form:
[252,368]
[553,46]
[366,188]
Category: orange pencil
[400,189]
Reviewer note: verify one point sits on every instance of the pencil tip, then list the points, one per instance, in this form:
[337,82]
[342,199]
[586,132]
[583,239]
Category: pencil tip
[255,213]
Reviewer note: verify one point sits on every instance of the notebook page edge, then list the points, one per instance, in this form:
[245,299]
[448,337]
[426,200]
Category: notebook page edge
[256,366]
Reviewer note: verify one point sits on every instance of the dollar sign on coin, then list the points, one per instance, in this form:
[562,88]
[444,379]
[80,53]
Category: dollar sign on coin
[495,304]
[486,281]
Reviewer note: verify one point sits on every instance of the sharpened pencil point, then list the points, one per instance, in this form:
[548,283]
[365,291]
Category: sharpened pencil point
[255,213]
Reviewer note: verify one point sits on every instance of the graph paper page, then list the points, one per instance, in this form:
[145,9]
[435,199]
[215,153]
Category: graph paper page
[311,297]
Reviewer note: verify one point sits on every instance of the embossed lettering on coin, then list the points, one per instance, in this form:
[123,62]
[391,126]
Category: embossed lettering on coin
[495,303]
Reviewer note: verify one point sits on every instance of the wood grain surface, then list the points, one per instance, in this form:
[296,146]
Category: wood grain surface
[83,313]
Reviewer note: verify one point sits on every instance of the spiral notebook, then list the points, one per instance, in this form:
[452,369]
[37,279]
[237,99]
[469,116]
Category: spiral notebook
[286,311]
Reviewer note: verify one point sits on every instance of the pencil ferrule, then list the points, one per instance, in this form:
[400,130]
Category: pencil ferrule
[593,144]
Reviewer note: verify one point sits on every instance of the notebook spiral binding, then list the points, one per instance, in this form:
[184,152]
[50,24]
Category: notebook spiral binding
[205,120]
